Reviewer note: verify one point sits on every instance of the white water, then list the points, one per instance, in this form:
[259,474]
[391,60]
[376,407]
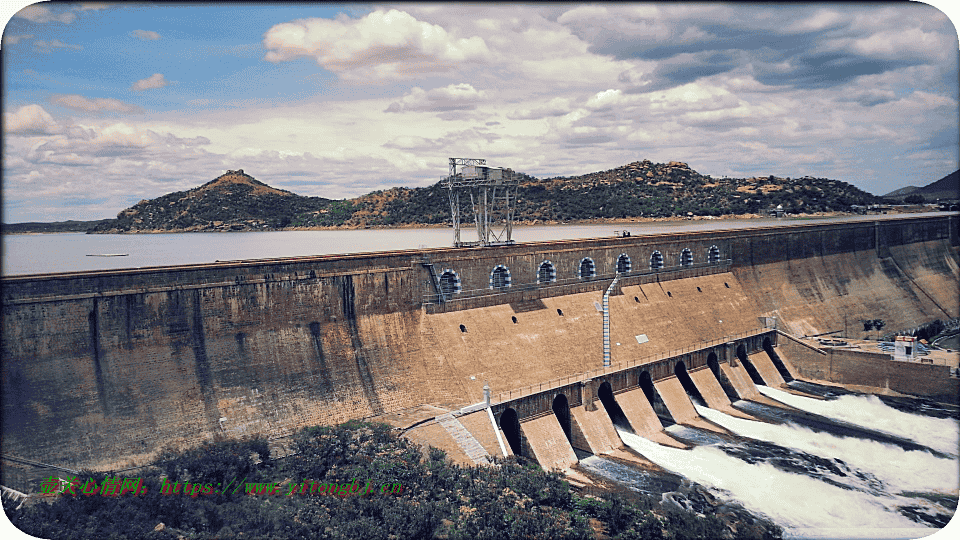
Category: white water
[941,434]
[899,470]
[791,500]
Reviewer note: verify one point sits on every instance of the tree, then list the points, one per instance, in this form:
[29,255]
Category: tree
[915,198]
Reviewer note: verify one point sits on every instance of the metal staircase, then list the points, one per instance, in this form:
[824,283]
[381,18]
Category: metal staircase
[465,439]
[434,278]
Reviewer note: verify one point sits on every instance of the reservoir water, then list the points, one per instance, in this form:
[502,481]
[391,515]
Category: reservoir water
[70,252]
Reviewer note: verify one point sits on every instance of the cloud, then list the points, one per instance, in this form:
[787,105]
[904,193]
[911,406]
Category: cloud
[47,47]
[42,14]
[11,40]
[154,81]
[145,35]
[30,120]
[381,45]
[605,99]
[455,97]
[80,103]
[557,106]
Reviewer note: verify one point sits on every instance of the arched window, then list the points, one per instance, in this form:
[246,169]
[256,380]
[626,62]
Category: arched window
[686,257]
[587,268]
[547,273]
[623,263]
[449,283]
[500,277]
[656,261]
[713,255]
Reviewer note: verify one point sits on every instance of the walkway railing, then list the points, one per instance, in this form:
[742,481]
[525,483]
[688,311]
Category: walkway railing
[621,366]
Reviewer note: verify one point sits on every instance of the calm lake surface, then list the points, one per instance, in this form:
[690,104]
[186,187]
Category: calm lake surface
[69,252]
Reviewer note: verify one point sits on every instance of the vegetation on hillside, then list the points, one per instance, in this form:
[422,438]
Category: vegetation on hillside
[438,499]
[237,201]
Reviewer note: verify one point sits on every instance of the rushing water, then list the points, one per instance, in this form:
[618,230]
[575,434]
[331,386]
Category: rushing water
[69,252]
[820,484]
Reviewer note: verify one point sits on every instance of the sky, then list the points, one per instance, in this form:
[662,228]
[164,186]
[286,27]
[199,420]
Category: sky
[108,104]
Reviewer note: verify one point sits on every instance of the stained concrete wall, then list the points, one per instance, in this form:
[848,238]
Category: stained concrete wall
[123,363]
[872,369]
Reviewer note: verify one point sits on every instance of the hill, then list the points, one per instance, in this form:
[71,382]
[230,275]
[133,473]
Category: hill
[50,227]
[947,187]
[236,201]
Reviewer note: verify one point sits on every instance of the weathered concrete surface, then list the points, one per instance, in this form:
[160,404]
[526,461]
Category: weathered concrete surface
[593,431]
[741,381]
[681,409]
[548,443]
[643,419]
[850,367]
[710,389]
[768,372]
[124,363]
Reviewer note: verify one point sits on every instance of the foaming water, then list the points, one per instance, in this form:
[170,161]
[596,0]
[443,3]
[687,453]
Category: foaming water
[791,500]
[899,470]
[940,434]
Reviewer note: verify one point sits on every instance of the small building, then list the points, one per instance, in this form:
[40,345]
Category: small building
[777,212]
[905,349]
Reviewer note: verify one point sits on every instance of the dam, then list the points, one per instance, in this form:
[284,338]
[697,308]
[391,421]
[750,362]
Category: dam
[479,351]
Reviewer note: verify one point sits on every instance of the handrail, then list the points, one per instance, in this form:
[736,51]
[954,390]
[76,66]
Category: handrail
[620,366]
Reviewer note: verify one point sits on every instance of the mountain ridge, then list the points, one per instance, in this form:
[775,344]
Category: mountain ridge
[236,201]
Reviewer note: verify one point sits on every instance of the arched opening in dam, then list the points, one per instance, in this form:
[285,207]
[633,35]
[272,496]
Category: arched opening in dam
[449,284]
[754,374]
[619,419]
[775,358]
[547,273]
[500,277]
[659,407]
[510,425]
[714,364]
[680,370]
[623,263]
[561,408]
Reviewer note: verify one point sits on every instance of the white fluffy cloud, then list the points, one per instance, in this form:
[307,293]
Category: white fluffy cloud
[41,14]
[455,97]
[154,81]
[48,47]
[81,103]
[12,40]
[145,35]
[381,45]
[30,120]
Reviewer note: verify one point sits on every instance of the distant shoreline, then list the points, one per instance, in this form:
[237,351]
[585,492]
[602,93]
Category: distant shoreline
[534,223]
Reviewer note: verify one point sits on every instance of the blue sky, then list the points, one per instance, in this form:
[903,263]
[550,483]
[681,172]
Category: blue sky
[107,104]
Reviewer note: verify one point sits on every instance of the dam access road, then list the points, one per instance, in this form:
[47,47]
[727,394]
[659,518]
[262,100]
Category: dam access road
[103,369]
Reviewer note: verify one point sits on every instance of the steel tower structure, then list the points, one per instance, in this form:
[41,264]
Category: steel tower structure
[493,196]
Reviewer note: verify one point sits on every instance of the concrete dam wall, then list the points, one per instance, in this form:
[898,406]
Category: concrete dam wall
[103,369]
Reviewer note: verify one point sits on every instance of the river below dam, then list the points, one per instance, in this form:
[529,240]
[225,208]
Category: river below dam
[71,252]
[873,467]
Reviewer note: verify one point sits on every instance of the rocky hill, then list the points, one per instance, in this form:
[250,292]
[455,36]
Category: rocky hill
[237,201]
[234,201]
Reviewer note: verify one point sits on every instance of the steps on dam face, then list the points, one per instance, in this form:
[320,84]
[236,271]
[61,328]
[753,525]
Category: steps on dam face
[465,440]
[643,419]
[768,372]
[741,381]
[548,443]
[595,429]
